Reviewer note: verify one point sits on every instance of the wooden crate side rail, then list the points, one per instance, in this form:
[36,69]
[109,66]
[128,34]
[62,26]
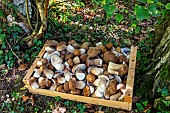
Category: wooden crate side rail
[110,103]
[131,75]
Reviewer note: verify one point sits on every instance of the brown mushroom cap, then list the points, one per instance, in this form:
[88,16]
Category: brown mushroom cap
[86,91]
[66,87]
[103,48]
[109,57]
[85,45]
[123,70]
[76,92]
[109,45]
[42,81]
[112,87]
[61,46]
[83,58]
[93,51]
[72,84]
[31,80]
[60,88]
[70,62]
[75,45]
[41,62]
[77,52]
[121,58]
[90,77]
[69,56]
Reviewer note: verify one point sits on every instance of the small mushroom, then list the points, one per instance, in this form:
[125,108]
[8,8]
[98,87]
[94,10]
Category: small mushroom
[109,57]
[49,49]
[42,81]
[51,54]
[72,84]
[61,79]
[80,75]
[123,70]
[112,87]
[37,73]
[115,96]
[90,77]
[113,67]
[70,62]
[51,67]
[42,62]
[76,60]
[53,87]
[75,45]
[70,49]
[69,56]
[102,85]
[83,58]
[85,45]
[61,46]
[60,88]
[48,73]
[96,71]
[66,86]
[52,43]
[80,84]
[32,81]
[68,75]
[94,62]
[86,91]
[77,52]
[78,67]
[121,59]
[109,45]
[82,51]
[93,52]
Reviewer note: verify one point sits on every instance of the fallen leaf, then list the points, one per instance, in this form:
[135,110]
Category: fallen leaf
[25,98]
[59,110]
[2,66]
[22,67]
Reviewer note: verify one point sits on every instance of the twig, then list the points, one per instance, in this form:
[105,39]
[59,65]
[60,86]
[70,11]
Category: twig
[28,16]
[11,49]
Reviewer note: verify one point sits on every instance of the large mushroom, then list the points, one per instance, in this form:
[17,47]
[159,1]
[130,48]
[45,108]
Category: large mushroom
[32,81]
[93,52]
[109,57]
[94,62]
[57,62]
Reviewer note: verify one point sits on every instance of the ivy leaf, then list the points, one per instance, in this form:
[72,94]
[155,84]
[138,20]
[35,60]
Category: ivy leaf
[2,37]
[2,14]
[152,9]
[119,17]
[1,52]
[109,9]
[167,6]
[139,106]
[141,12]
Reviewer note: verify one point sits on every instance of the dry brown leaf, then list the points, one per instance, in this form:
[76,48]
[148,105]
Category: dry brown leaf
[59,110]
[2,66]
[22,67]
[25,98]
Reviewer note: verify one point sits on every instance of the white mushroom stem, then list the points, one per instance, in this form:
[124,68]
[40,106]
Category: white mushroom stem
[91,89]
[49,49]
[97,93]
[66,64]
[107,96]
[34,85]
[82,51]
[114,66]
[70,49]
[48,73]
[96,71]
[56,60]
[102,85]
[80,75]
[68,75]
[111,71]
[80,84]
[115,96]
[53,87]
[37,73]
[48,57]
[61,80]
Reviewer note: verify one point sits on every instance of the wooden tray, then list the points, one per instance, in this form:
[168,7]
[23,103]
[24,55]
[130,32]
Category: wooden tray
[126,104]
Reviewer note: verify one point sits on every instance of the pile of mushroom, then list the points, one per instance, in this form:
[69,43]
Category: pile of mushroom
[99,71]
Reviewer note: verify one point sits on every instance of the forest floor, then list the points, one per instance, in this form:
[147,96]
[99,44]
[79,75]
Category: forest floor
[66,22]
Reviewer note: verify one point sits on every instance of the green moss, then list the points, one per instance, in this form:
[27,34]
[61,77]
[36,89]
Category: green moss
[164,73]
